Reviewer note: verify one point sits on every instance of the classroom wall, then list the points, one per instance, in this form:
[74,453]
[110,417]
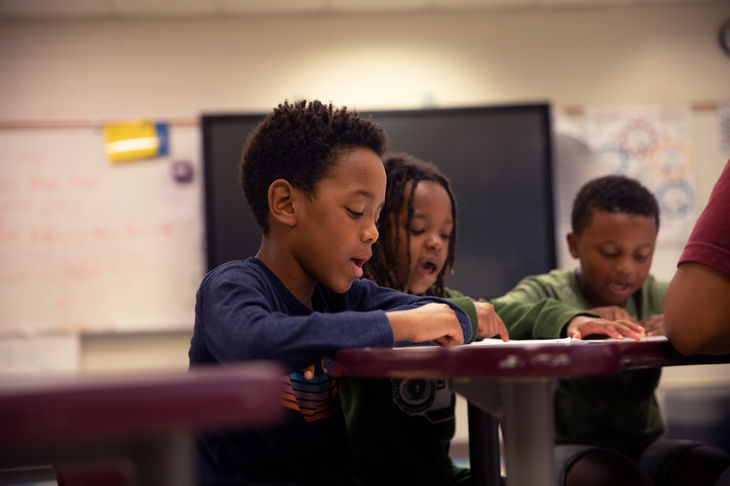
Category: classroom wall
[105,69]
[109,68]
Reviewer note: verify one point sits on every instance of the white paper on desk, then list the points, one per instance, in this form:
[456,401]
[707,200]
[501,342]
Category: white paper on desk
[612,340]
[521,342]
[571,341]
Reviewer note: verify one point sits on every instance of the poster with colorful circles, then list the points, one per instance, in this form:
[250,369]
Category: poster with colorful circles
[653,145]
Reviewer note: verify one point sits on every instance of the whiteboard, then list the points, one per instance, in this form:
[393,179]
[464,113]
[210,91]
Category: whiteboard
[90,246]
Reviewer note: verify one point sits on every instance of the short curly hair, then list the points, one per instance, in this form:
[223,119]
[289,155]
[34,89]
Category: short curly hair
[382,268]
[300,142]
[614,194]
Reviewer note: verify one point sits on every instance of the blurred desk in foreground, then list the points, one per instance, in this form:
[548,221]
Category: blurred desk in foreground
[146,420]
[515,382]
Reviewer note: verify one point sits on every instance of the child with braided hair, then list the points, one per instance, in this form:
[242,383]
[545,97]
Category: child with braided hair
[400,429]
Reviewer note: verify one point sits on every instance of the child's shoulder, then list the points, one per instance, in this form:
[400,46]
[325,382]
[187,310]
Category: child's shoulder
[558,284]
[558,277]
[240,272]
[234,267]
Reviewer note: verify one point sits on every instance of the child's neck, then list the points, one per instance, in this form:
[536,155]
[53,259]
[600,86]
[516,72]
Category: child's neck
[288,270]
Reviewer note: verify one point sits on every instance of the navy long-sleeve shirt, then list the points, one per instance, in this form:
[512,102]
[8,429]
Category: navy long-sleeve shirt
[244,312]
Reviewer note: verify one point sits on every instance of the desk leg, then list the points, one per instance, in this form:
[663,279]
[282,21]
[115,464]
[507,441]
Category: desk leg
[529,432]
[483,447]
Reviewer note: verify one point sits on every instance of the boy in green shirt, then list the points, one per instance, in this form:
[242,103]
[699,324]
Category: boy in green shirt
[609,429]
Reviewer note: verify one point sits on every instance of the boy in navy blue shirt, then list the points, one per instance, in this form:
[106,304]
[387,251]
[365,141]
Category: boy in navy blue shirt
[314,179]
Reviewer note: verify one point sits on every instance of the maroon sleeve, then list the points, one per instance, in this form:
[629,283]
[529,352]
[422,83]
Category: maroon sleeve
[709,242]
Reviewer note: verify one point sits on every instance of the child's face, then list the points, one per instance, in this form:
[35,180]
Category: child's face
[338,226]
[615,252]
[430,234]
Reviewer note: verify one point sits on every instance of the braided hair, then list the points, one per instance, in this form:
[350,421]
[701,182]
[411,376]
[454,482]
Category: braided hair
[402,169]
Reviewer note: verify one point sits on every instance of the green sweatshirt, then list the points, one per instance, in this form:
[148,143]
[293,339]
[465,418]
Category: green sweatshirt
[617,411]
[400,429]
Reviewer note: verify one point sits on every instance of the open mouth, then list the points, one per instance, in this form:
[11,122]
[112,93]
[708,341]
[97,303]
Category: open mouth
[359,261]
[428,267]
[620,288]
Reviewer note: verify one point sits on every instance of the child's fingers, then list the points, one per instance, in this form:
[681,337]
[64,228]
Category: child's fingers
[490,324]
[612,329]
[495,327]
[502,329]
[654,325]
[575,335]
[452,335]
[630,329]
[447,341]
[609,330]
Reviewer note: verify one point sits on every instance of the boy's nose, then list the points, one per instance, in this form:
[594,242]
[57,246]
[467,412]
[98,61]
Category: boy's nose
[370,233]
[625,267]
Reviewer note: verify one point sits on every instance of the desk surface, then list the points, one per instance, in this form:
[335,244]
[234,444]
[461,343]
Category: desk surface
[46,412]
[515,359]
[525,372]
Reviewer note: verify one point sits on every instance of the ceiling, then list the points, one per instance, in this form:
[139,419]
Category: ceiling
[75,9]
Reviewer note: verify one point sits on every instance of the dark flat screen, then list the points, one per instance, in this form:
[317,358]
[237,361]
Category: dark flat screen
[497,157]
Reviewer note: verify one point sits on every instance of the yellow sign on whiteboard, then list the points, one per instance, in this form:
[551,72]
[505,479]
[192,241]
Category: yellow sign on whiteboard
[134,140]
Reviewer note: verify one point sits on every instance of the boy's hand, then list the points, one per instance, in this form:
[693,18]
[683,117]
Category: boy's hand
[430,322]
[654,325]
[612,313]
[490,324]
[580,327]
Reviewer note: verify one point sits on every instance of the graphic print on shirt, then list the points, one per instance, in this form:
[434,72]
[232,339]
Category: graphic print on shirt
[312,398]
[428,398]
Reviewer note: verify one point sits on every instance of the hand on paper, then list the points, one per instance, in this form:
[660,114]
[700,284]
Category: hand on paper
[654,325]
[587,327]
[490,324]
[431,322]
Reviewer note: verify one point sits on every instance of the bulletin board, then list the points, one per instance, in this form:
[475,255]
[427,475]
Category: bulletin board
[497,157]
[90,246]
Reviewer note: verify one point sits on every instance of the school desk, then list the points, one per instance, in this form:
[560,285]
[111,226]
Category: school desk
[514,382]
[142,421]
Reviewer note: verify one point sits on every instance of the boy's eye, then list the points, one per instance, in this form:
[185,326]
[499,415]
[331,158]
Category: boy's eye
[609,254]
[354,214]
[641,258]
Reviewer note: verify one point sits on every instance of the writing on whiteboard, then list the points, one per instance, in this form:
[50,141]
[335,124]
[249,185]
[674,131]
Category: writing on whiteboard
[88,245]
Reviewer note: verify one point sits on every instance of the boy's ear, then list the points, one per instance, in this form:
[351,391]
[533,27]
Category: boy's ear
[572,244]
[281,202]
